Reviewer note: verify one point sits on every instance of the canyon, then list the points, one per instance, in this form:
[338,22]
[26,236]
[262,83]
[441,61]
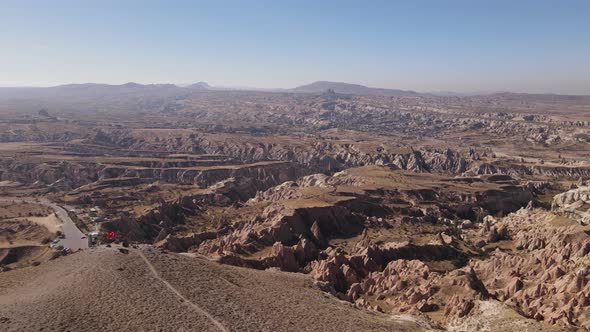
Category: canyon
[392,209]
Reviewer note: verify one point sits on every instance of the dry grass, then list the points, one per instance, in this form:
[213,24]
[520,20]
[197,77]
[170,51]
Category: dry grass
[106,290]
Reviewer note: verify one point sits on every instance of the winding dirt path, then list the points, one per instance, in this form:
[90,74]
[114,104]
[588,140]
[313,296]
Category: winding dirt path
[182,297]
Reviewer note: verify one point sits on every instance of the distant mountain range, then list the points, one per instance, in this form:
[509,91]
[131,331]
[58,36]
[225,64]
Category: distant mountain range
[153,90]
[314,88]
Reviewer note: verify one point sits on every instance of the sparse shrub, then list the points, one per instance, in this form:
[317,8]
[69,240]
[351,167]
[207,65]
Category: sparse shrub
[479,214]
[453,228]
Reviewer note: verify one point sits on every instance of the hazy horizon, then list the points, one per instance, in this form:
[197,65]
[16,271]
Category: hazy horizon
[272,89]
[425,46]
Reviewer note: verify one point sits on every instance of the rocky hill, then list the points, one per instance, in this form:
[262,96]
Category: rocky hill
[113,289]
[347,88]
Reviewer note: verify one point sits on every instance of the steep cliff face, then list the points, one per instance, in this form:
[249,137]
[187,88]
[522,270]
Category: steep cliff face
[401,282]
[288,226]
[267,173]
[574,203]
[527,171]
[545,275]
[536,264]
[323,156]
[333,156]
[233,186]
[75,174]
[570,197]
[262,175]
[508,199]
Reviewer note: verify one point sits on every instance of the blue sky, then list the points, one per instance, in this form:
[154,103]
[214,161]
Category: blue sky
[476,45]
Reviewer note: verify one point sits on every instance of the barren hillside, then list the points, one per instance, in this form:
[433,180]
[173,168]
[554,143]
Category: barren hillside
[104,289]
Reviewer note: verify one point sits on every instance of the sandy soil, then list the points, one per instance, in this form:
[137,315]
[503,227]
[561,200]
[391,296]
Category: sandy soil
[9,209]
[106,290]
[26,224]
[51,222]
[18,256]
[17,232]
